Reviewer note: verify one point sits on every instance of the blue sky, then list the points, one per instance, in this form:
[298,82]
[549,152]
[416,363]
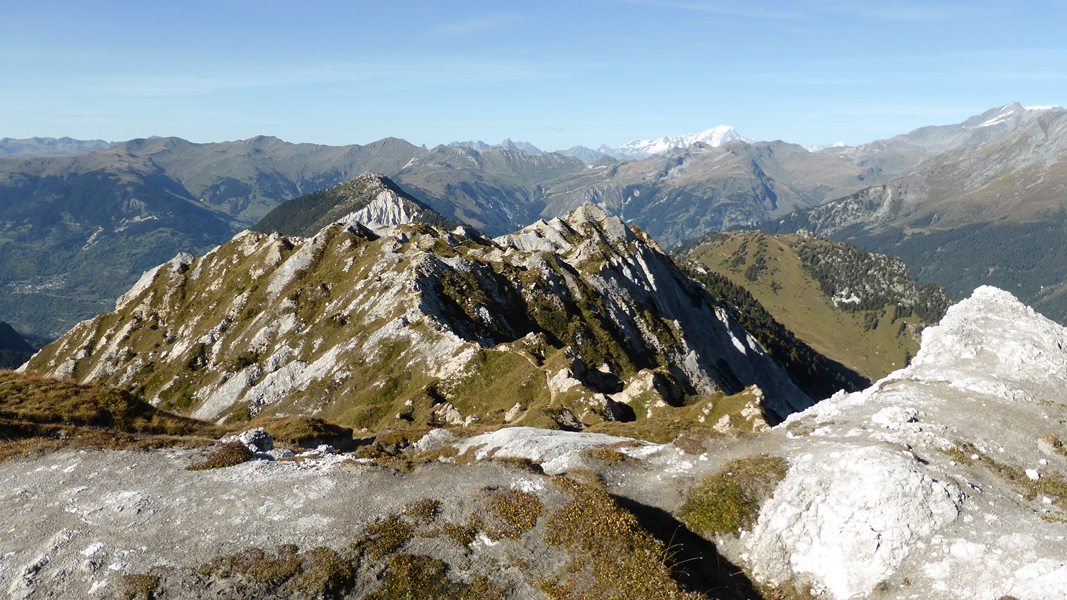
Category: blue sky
[553,73]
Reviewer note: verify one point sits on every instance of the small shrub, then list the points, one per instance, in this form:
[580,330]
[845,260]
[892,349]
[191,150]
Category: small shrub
[226,455]
[729,500]
[515,512]
[244,360]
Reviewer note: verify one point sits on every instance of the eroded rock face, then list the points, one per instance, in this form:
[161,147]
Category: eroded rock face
[922,483]
[416,317]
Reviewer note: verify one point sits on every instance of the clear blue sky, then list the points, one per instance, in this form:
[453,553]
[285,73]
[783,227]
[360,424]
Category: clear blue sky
[553,73]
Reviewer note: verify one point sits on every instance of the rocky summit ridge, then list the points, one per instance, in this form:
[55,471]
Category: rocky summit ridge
[370,200]
[373,323]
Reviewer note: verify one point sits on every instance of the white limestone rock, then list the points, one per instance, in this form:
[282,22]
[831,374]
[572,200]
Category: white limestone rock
[847,517]
[256,440]
[873,497]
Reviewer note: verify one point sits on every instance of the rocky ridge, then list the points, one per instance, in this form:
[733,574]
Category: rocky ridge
[584,316]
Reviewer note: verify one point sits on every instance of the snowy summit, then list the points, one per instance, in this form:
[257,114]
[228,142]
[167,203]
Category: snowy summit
[714,137]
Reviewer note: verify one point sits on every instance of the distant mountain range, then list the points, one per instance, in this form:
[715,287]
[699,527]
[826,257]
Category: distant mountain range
[44,146]
[77,230]
[480,146]
[634,150]
[986,204]
[637,149]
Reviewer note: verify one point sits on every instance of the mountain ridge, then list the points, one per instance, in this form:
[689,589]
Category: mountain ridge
[590,311]
[676,197]
[371,200]
[987,213]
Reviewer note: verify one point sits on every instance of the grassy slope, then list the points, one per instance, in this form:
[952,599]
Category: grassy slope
[800,305]
[38,414]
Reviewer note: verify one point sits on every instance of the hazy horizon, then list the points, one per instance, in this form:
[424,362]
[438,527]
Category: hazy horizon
[556,74]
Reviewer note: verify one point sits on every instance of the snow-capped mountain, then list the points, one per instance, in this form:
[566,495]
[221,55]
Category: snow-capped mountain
[819,147]
[715,137]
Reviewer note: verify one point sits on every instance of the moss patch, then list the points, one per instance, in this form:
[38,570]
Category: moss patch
[384,537]
[605,454]
[729,500]
[425,509]
[139,587]
[1056,443]
[287,572]
[514,512]
[424,578]
[256,566]
[326,573]
[462,535]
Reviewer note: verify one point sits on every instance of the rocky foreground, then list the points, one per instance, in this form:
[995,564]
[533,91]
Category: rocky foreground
[946,479]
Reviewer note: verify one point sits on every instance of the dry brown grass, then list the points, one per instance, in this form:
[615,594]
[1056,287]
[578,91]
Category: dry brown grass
[226,455]
[307,432]
[612,555]
[40,415]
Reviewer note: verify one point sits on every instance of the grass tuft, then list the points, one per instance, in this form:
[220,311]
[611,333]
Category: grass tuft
[729,500]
